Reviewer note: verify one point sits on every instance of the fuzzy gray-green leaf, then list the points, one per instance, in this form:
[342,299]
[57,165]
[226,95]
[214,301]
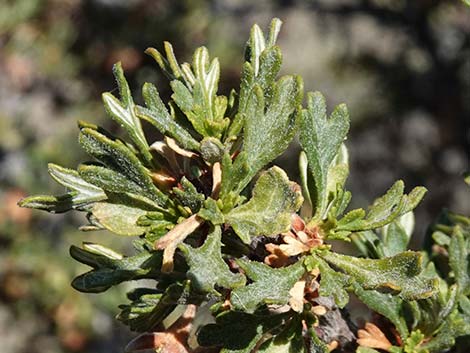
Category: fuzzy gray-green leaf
[157,114]
[109,271]
[458,260]
[269,211]
[333,284]
[384,210]
[270,285]
[124,112]
[238,332]
[207,267]
[385,304]
[112,181]
[80,193]
[270,128]
[118,157]
[321,139]
[395,239]
[398,273]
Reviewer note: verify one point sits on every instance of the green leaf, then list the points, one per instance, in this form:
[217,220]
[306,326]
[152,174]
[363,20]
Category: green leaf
[157,114]
[321,139]
[80,193]
[395,239]
[458,260]
[368,243]
[384,210]
[398,273]
[118,157]
[170,66]
[120,213]
[464,303]
[211,212]
[188,195]
[238,332]
[386,207]
[208,109]
[49,203]
[150,309]
[84,192]
[441,238]
[123,112]
[258,45]
[263,62]
[269,128]
[113,181]
[269,64]
[333,283]
[95,255]
[232,174]
[110,269]
[337,173]
[269,286]
[203,108]
[156,224]
[269,211]
[207,267]
[386,305]
[183,98]
[412,342]
[456,325]
[290,340]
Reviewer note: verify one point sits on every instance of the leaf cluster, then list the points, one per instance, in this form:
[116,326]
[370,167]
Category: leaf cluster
[218,227]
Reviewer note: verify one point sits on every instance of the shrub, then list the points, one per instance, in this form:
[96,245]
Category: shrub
[240,256]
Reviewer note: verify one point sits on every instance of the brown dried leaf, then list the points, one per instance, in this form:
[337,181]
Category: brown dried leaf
[174,340]
[296,300]
[170,240]
[293,246]
[373,337]
[174,146]
[216,180]
[277,258]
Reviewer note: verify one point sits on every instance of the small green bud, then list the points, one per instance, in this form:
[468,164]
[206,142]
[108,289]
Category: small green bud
[212,150]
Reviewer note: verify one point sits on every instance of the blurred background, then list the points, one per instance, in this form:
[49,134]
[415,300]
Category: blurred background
[402,67]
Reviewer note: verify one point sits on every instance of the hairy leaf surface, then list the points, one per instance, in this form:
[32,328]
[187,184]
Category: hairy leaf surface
[269,211]
[270,285]
[207,268]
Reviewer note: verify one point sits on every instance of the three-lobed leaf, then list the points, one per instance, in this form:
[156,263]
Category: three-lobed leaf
[269,286]
[399,274]
[333,283]
[269,128]
[269,210]
[384,210]
[321,139]
[207,268]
